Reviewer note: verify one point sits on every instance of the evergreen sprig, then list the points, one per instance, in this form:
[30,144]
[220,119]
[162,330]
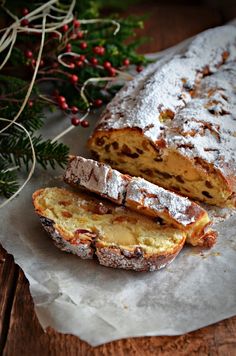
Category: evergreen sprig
[8,180]
[15,149]
[119,51]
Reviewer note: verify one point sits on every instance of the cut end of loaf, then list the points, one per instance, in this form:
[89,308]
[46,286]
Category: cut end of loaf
[84,225]
[163,166]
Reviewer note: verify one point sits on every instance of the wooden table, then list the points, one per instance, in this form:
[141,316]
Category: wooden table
[20,332]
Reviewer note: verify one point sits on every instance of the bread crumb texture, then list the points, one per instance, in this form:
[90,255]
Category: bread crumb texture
[81,216]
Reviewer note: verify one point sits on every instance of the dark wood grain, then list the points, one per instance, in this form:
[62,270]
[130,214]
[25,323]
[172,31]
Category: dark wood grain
[167,25]
[25,337]
[8,279]
[20,332]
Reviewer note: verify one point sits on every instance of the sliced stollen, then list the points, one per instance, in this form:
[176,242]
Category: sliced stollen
[175,123]
[143,196]
[120,238]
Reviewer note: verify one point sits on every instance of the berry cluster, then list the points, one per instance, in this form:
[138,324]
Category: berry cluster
[62,103]
[82,57]
[83,61]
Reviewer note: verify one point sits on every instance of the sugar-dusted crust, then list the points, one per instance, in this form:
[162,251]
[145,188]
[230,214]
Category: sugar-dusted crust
[184,105]
[148,198]
[119,258]
[96,177]
[108,255]
[169,85]
[133,191]
[142,196]
[153,201]
[81,248]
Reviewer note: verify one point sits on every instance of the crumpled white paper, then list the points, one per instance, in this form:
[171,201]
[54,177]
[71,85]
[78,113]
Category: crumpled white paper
[100,304]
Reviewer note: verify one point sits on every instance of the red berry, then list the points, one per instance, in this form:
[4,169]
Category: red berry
[68,47]
[126,62]
[79,64]
[112,71]
[80,35]
[74,78]
[72,65]
[30,103]
[83,45]
[64,106]
[61,99]
[28,54]
[74,109]
[107,65]
[25,11]
[84,123]
[98,103]
[99,50]
[93,61]
[82,58]
[139,69]
[75,121]
[33,62]
[65,28]
[102,51]
[41,64]
[76,23]
[24,22]
[54,35]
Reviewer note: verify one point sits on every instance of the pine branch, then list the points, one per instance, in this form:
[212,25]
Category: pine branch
[50,153]
[8,180]
[118,51]
[15,148]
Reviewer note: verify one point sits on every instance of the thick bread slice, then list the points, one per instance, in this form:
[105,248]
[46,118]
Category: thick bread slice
[87,226]
[141,195]
[174,124]
[97,177]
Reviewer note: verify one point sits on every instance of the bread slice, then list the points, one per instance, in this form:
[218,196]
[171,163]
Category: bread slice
[174,124]
[121,238]
[142,196]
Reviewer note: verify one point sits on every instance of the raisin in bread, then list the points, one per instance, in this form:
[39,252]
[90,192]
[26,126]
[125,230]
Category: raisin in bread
[88,226]
[142,196]
[175,123]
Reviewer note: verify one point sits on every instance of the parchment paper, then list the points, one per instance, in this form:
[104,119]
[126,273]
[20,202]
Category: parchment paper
[99,304]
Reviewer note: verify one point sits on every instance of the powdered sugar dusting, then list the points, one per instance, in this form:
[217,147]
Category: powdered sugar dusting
[157,199]
[116,186]
[87,173]
[165,85]
[206,127]
[131,190]
[97,177]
